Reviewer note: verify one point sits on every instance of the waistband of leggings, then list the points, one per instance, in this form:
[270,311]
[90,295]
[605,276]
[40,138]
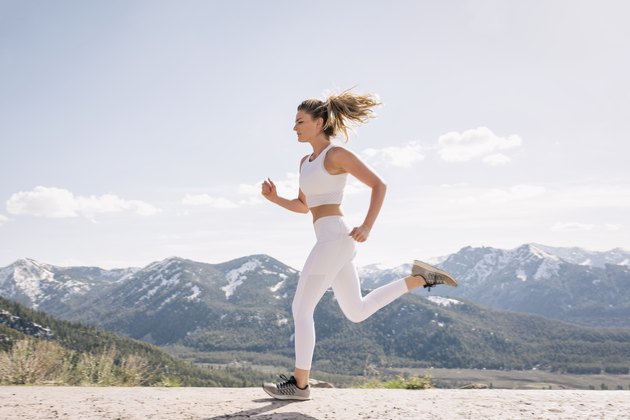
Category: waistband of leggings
[328,219]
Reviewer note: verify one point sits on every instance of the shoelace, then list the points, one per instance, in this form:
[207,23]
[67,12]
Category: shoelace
[431,279]
[287,385]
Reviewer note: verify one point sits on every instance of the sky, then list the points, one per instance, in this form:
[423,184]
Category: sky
[132,131]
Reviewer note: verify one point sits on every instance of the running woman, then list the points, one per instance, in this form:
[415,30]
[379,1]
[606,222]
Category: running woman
[323,175]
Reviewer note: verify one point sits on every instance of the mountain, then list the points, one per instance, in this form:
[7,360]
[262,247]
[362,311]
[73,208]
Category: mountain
[168,300]
[22,325]
[438,331]
[568,284]
[244,306]
[575,255]
[50,288]
[86,347]
[375,275]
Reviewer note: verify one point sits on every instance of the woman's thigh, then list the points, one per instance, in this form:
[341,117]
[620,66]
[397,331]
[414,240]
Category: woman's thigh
[347,288]
[320,269]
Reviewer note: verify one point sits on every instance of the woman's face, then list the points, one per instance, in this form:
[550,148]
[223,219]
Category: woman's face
[306,127]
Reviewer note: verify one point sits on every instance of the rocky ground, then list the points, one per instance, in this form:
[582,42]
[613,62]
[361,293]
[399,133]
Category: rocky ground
[36,402]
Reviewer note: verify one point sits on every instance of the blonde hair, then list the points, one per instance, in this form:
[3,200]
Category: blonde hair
[341,111]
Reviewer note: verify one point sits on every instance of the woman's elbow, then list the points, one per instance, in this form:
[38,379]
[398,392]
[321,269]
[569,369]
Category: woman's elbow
[303,208]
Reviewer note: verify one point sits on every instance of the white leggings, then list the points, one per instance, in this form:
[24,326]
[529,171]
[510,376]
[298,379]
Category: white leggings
[330,264]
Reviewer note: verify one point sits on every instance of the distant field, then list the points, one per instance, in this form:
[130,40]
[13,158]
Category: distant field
[441,378]
[511,379]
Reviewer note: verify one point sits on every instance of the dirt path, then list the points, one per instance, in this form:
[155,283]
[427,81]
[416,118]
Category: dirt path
[253,403]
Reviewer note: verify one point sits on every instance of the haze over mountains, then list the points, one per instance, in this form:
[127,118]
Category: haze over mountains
[244,305]
[570,284]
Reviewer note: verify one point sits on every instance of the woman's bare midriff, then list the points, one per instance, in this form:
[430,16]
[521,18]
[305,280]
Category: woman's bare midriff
[326,210]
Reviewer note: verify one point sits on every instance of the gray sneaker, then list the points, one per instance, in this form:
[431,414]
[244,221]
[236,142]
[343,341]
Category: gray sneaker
[287,389]
[431,275]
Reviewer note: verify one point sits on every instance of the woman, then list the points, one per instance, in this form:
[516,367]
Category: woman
[323,176]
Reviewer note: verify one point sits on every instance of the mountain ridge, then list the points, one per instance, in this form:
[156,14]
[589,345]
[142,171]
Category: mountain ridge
[244,305]
[499,278]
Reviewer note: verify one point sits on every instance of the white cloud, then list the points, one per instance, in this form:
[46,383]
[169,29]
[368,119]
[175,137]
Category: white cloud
[250,201]
[58,203]
[250,194]
[612,227]
[44,202]
[3,219]
[403,157]
[110,203]
[476,143]
[497,159]
[572,226]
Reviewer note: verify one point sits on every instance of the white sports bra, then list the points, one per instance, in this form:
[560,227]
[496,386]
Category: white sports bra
[318,185]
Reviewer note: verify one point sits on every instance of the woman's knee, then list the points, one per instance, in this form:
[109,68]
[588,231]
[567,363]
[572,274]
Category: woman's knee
[301,312]
[355,316]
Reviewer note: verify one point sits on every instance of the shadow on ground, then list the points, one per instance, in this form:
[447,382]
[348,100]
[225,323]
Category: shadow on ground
[259,413]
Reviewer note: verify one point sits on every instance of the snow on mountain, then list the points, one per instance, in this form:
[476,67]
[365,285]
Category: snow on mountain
[27,327]
[374,275]
[530,278]
[160,277]
[43,286]
[175,298]
[442,301]
[565,283]
[548,281]
[29,281]
[162,282]
[548,268]
[580,256]
[476,265]
[278,285]
[236,276]
[29,278]
[196,291]
[244,276]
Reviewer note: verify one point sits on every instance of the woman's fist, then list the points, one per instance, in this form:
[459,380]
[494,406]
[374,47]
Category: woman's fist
[269,190]
[360,234]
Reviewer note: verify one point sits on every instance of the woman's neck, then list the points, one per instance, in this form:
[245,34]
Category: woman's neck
[319,147]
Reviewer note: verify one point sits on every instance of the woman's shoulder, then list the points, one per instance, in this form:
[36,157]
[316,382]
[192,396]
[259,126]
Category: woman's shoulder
[340,151]
[338,158]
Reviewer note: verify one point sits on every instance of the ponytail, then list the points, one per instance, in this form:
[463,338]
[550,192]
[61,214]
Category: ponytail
[341,111]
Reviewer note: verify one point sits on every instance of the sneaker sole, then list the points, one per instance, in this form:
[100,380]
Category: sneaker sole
[450,281]
[286,397]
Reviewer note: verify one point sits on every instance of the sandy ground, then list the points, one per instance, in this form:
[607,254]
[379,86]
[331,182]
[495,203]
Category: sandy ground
[253,403]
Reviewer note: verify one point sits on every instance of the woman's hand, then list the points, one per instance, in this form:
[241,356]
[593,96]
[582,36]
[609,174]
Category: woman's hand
[269,190]
[361,233]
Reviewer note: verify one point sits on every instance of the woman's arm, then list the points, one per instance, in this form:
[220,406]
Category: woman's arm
[347,161]
[297,205]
